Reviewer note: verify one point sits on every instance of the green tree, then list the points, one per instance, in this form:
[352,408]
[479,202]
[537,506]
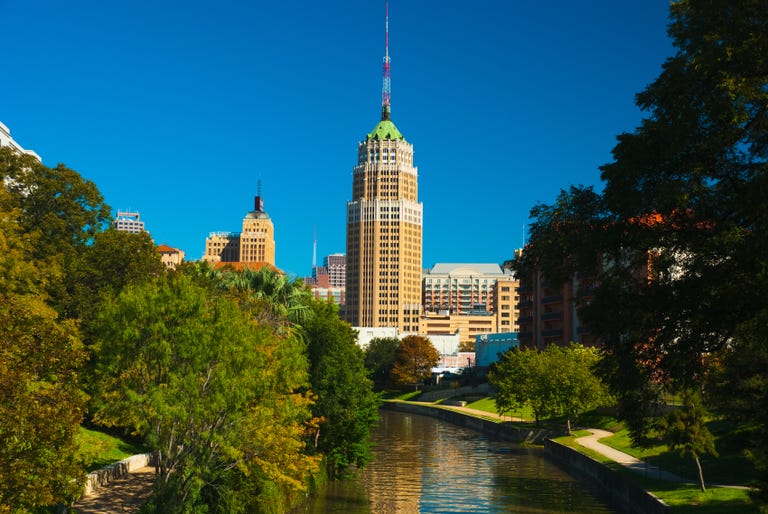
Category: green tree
[559,381]
[213,393]
[682,224]
[114,260]
[40,357]
[63,210]
[379,359]
[414,359]
[687,432]
[345,400]
[288,297]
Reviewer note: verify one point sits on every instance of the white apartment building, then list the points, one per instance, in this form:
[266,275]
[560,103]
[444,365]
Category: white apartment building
[7,141]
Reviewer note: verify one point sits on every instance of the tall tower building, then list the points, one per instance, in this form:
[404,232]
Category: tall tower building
[384,226]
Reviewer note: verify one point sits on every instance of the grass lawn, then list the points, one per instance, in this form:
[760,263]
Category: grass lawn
[682,498]
[98,449]
[730,467]
[488,404]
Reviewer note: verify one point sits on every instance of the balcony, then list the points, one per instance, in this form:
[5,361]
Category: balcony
[525,319]
[552,333]
[550,316]
[524,304]
[552,299]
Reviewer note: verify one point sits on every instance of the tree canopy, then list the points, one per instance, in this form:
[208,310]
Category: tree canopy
[678,239]
[414,359]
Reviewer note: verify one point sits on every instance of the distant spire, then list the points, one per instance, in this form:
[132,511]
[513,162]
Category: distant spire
[258,202]
[385,91]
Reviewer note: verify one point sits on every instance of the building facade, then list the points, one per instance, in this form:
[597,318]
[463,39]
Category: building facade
[128,222]
[384,229]
[7,141]
[462,288]
[254,244]
[170,256]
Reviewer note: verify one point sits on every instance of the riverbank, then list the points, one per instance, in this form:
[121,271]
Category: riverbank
[614,487]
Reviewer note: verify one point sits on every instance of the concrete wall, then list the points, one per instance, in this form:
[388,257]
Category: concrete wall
[619,491]
[105,475]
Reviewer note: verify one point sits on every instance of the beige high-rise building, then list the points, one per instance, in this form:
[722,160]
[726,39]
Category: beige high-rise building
[255,244]
[384,233]
[384,227]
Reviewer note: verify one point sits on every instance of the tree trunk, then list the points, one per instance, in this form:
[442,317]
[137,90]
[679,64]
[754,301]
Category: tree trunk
[568,423]
[701,474]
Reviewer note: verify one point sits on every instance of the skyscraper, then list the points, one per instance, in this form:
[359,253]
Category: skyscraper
[384,227]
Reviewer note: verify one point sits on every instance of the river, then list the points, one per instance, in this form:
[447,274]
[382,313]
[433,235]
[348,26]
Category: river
[423,465]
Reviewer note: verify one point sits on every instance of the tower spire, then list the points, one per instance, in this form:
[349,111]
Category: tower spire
[385,107]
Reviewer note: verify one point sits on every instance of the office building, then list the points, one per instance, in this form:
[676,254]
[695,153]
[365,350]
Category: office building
[128,222]
[254,244]
[7,141]
[384,228]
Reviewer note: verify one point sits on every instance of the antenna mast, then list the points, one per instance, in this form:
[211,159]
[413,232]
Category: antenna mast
[385,92]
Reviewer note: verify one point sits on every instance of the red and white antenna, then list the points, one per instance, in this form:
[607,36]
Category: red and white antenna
[385,92]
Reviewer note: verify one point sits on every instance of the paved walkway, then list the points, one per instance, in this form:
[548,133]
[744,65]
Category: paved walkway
[125,494]
[628,461]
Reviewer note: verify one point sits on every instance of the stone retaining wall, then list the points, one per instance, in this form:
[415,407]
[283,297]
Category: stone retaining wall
[617,489]
[105,475]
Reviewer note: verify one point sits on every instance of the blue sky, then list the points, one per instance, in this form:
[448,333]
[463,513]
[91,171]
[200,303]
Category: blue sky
[176,109]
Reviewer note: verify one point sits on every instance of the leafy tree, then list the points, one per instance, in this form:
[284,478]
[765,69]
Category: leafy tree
[517,378]
[289,297]
[213,393]
[114,260]
[56,205]
[559,381]
[682,224]
[379,358]
[687,432]
[414,360]
[345,400]
[40,403]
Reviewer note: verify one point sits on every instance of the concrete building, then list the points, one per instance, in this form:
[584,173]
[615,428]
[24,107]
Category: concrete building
[462,288]
[488,347]
[336,267]
[170,256]
[254,244]
[128,222]
[384,230]
[7,141]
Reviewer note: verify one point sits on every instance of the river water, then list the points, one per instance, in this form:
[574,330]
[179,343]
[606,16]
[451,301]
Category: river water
[430,466]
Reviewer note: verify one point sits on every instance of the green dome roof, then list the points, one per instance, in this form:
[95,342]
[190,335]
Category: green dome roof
[385,129]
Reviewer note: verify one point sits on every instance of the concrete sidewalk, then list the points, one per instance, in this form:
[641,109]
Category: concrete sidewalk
[628,461]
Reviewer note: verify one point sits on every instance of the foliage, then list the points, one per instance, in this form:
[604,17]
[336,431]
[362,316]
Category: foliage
[40,403]
[114,260]
[345,400]
[559,381]
[414,360]
[211,391]
[97,449]
[687,432]
[379,358]
[682,224]
[288,297]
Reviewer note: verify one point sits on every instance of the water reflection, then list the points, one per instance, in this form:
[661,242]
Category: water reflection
[424,466]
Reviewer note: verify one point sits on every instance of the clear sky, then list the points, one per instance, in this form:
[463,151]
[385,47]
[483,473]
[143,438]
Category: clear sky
[176,109]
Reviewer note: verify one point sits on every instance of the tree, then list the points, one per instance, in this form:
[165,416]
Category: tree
[114,260]
[687,432]
[559,381]
[63,210]
[40,403]
[212,392]
[414,360]
[682,224]
[379,358]
[345,401]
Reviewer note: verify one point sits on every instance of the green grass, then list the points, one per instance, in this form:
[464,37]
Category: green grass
[730,467]
[488,404]
[98,449]
[682,498]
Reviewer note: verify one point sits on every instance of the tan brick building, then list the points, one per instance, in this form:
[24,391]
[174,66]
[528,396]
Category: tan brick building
[384,233]
[255,244]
